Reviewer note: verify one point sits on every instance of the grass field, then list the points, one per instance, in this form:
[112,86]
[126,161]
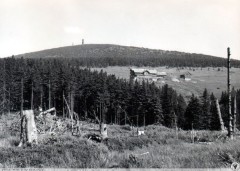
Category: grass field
[160,147]
[211,78]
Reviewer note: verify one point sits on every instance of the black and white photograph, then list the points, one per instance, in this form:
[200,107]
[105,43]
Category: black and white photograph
[119,84]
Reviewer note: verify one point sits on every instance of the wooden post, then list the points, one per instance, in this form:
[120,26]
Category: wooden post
[219,115]
[230,128]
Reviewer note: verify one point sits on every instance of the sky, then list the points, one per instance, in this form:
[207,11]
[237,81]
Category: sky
[195,26]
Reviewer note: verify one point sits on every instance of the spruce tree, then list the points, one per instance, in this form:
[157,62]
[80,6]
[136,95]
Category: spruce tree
[193,114]
[214,122]
[181,108]
[205,115]
[167,106]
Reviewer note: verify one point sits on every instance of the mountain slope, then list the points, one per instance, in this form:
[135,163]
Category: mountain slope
[111,55]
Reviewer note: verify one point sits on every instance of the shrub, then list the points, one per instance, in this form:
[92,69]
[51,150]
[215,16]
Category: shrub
[114,144]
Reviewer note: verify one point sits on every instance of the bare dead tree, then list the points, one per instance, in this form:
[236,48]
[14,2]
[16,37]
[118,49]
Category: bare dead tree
[72,109]
[234,113]
[230,126]
[219,115]
[63,109]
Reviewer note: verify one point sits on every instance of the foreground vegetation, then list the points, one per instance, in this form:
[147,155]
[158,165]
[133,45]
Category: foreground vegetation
[160,147]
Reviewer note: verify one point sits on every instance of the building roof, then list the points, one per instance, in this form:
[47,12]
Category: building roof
[185,73]
[138,70]
[152,71]
[142,70]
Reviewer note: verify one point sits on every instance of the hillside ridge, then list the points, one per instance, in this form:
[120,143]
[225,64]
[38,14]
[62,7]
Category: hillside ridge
[105,46]
[118,55]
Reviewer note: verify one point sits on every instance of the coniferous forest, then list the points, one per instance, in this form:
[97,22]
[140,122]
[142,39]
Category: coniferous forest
[46,82]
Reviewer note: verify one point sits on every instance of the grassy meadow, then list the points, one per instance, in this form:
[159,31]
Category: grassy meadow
[160,147]
[214,79]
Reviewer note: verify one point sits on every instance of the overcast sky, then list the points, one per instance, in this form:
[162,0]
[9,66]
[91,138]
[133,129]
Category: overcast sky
[197,26]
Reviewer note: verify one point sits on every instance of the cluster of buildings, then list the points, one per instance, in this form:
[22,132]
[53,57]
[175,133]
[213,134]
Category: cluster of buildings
[152,75]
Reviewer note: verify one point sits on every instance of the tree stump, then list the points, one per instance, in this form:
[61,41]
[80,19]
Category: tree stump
[28,124]
[103,131]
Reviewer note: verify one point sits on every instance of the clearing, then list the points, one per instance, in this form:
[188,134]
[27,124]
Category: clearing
[159,147]
[214,79]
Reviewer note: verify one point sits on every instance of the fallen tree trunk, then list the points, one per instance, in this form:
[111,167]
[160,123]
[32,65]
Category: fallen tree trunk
[48,111]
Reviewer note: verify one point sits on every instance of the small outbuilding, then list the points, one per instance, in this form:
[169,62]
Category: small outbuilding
[185,76]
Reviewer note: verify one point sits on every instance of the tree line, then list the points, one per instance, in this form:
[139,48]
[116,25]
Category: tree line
[96,95]
[113,55]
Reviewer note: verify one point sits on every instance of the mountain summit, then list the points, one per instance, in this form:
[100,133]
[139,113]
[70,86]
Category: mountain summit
[110,55]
